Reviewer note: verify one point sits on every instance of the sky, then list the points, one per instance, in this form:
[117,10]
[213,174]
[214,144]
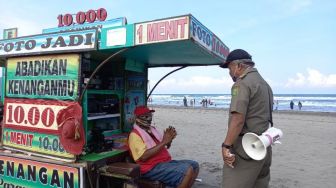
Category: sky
[292,42]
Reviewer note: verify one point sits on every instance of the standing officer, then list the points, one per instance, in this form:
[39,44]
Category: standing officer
[250,111]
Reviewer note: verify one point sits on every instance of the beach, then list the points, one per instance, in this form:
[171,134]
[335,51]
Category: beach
[304,159]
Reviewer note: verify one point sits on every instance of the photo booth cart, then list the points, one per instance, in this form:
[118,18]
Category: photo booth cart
[70,92]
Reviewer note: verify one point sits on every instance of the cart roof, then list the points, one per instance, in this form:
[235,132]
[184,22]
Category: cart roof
[174,41]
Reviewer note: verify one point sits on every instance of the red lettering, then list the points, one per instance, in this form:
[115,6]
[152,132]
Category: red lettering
[13,137]
[151,32]
[31,137]
[21,138]
[18,137]
[161,31]
[182,23]
[171,29]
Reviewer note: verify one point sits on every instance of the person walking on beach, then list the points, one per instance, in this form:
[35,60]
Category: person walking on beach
[291,104]
[300,105]
[185,102]
[149,149]
[250,111]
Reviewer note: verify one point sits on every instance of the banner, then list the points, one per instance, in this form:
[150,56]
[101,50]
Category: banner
[84,40]
[50,77]
[24,173]
[98,24]
[162,30]
[207,39]
[30,125]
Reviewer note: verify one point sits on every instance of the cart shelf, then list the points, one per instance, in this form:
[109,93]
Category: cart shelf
[103,116]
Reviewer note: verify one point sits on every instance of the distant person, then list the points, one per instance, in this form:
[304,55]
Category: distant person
[185,102]
[291,104]
[276,104]
[300,105]
[250,111]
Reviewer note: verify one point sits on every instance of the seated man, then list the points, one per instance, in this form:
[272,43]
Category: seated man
[149,149]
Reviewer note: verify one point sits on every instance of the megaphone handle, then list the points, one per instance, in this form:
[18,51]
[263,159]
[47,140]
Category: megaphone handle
[269,138]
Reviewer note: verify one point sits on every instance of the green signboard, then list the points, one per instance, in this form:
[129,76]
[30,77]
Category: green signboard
[117,37]
[24,173]
[48,77]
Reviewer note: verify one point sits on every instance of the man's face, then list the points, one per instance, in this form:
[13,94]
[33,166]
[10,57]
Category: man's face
[146,119]
[233,68]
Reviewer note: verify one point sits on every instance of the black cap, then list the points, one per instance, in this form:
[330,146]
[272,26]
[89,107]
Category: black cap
[236,55]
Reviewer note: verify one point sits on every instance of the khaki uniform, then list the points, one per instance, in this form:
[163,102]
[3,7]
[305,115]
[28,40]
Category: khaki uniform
[252,97]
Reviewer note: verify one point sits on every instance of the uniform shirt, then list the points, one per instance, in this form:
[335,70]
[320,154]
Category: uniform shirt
[252,97]
[136,145]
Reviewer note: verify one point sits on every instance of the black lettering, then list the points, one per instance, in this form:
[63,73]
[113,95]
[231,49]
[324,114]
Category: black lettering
[37,67]
[27,90]
[30,71]
[40,87]
[60,41]
[33,87]
[88,39]
[53,87]
[55,179]
[47,70]
[62,66]
[43,176]
[1,167]
[18,69]
[71,87]
[60,88]
[18,44]
[16,87]
[75,40]
[10,86]
[47,45]
[21,86]
[8,47]
[31,173]
[10,168]
[68,180]
[30,44]
[20,172]
[24,68]
[46,88]
[55,68]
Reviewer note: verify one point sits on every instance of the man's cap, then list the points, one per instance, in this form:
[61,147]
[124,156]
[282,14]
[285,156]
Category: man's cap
[237,54]
[70,129]
[141,110]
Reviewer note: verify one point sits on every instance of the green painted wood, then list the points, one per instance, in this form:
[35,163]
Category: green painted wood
[135,66]
[92,157]
[104,43]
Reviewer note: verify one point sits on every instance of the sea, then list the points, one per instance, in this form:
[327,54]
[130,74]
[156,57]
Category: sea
[310,102]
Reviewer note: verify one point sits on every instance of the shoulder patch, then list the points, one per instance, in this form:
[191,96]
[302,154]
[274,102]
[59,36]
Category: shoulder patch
[234,90]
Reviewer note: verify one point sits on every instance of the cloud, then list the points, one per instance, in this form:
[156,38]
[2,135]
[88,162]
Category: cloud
[312,79]
[25,27]
[195,84]
[299,5]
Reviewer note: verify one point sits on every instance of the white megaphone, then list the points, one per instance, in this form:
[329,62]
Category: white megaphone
[256,146]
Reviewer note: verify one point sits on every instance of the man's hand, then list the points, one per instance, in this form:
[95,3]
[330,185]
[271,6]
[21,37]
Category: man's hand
[168,135]
[228,157]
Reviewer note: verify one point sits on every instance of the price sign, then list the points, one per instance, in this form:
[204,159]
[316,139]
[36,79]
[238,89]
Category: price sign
[31,125]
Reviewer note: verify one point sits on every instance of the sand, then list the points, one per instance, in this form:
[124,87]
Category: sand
[304,159]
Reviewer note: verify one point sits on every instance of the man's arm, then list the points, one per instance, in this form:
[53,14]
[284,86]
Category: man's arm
[235,126]
[153,151]
[168,136]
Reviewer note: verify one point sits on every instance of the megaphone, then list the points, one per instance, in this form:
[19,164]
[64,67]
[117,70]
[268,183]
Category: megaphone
[256,146]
